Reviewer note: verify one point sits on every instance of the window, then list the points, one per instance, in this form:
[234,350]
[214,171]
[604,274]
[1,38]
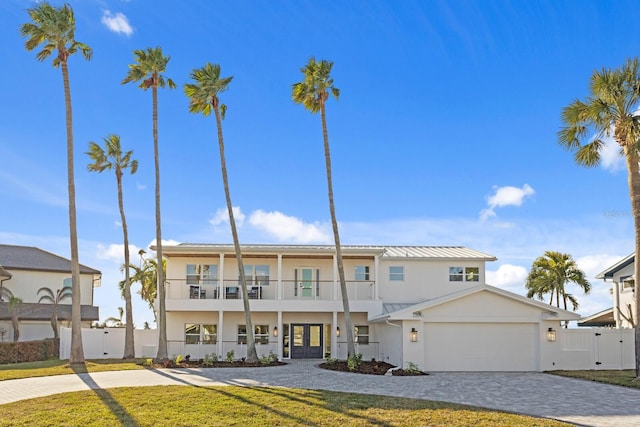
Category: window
[472,274]
[362,335]
[260,334]
[256,275]
[468,274]
[362,272]
[455,274]
[202,274]
[195,333]
[627,282]
[396,273]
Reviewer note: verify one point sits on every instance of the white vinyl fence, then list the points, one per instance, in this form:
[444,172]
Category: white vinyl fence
[108,343]
[593,348]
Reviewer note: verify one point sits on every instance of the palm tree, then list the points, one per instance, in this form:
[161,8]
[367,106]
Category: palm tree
[55,28]
[116,322]
[147,275]
[14,309]
[313,93]
[148,69]
[107,158]
[550,273]
[610,110]
[203,97]
[49,297]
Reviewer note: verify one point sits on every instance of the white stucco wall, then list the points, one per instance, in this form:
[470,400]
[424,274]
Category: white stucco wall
[25,284]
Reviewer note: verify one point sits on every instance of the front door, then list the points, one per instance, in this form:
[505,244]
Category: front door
[306,341]
[306,284]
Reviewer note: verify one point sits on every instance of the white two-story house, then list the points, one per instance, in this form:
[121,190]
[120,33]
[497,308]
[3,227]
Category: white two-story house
[623,313]
[428,305]
[26,270]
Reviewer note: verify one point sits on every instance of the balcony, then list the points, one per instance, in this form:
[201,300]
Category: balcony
[289,290]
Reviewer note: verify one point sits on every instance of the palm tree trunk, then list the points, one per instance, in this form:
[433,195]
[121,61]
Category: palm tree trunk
[162,315]
[252,354]
[54,320]
[129,347]
[76,356]
[15,324]
[351,349]
[634,192]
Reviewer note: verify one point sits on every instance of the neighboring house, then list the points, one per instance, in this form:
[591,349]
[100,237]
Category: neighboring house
[623,313]
[427,305]
[30,269]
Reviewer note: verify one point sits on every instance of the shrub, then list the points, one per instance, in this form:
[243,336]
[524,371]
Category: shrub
[354,361]
[147,362]
[29,351]
[178,359]
[273,357]
[412,367]
[230,355]
[264,359]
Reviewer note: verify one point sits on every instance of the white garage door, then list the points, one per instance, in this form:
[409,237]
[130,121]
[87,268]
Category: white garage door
[481,346]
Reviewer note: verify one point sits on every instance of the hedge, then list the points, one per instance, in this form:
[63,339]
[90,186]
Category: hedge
[29,351]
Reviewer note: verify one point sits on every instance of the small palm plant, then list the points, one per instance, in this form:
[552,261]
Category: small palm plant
[14,310]
[49,297]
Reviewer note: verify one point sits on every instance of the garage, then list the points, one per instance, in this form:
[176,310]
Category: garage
[481,346]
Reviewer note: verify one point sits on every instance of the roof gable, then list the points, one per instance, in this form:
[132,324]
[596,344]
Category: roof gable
[609,272]
[412,311]
[14,257]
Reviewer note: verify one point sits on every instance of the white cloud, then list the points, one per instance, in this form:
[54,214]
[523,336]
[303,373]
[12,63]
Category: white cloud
[505,196]
[118,23]
[222,215]
[594,264]
[508,276]
[610,158]
[115,252]
[288,228]
[141,186]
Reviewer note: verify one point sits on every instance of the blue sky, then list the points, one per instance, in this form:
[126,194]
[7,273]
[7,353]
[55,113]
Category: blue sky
[444,133]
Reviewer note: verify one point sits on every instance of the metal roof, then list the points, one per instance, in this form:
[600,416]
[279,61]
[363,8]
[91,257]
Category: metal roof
[392,252]
[14,257]
[609,272]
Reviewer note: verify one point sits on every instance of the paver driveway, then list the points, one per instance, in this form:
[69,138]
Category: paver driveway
[576,401]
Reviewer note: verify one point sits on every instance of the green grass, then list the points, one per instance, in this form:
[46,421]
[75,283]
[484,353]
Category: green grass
[61,367]
[626,378]
[244,406]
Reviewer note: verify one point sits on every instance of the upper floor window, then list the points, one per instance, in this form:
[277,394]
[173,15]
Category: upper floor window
[468,274]
[202,274]
[195,333]
[472,274]
[396,273]
[256,275]
[455,274]
[628,282]
[260,334]
[362,334]
[362,272]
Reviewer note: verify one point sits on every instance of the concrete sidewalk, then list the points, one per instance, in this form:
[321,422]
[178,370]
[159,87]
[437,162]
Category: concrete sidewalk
[542,395]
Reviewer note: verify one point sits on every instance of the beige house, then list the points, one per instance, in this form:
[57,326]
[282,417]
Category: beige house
[427,305]
[27,270]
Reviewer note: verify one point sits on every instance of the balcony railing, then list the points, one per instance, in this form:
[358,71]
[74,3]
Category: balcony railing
[268,290]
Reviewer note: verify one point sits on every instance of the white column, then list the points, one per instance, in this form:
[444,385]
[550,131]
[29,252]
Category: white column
[616,305]
[280,335]
[334,337]
[220,345]
[335,276]
[221,278]
[376,274]
[279,286]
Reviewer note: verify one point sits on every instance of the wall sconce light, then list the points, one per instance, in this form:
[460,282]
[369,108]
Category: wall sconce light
[551,335]
[338,331]
[414,335]
[275,331]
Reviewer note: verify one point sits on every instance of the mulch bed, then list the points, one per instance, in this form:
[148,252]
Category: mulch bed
[373,367]
[219,364]
[407,373]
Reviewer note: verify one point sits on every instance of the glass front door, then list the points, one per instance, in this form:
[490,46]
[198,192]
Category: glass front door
[306,341]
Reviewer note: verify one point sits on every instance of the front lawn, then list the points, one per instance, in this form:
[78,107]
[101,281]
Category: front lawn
[246,406]
[60,367]
[626,378]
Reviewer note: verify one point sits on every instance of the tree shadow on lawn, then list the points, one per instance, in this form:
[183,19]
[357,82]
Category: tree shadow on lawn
[116,409]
